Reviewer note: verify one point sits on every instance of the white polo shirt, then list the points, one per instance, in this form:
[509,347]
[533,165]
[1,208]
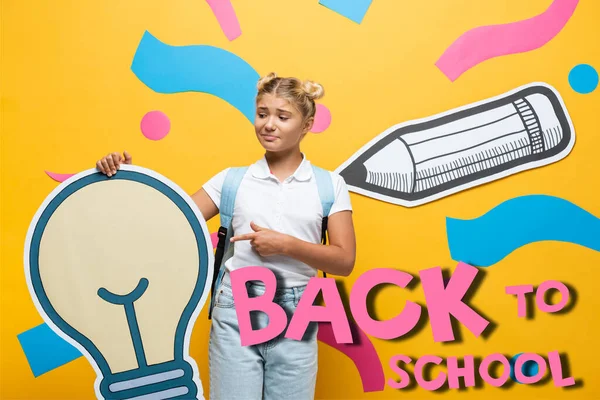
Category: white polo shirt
[292,207]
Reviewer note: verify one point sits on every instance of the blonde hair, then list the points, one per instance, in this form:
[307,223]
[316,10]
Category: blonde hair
[300,94]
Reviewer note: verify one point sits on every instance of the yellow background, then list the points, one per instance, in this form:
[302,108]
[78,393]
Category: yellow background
[69,97]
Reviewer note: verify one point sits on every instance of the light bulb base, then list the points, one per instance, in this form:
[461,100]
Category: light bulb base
[170,380]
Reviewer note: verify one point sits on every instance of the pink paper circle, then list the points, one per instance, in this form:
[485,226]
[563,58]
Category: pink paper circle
[155,125]
[322,119]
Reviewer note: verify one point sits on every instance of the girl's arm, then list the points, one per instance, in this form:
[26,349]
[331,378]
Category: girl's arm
[205,204]
[337,258]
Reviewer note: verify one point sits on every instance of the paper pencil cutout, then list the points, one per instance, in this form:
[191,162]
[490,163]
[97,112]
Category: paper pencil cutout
[419,161]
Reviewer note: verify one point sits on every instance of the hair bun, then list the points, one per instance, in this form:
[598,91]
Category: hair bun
[313,90]
[264,81]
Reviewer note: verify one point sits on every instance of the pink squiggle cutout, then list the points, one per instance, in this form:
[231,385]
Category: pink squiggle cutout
[225,14]
[485,42]
[58,177]
[361,352]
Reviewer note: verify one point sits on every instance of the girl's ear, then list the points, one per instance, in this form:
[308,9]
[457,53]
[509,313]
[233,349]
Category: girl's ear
[308,124]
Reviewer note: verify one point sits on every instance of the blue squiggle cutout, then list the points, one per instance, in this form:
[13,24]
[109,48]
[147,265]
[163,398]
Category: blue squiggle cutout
[196,68]
[45,350]
[351,9]
[488,239]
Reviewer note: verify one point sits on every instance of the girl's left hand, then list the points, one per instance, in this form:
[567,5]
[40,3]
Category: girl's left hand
[265,242]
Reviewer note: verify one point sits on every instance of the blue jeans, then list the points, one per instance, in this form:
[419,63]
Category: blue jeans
[278,369]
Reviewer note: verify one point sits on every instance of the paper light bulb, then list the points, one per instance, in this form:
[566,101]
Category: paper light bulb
[120,268]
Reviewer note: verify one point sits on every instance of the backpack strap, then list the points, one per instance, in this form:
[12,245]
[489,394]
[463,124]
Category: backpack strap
[327,196]
[232,182]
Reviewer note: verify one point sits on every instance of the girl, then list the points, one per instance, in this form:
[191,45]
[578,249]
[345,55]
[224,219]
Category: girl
[277,224]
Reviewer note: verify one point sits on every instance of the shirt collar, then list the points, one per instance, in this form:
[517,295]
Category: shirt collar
[260,170]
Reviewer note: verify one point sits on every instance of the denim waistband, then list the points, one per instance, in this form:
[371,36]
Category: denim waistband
[257,289]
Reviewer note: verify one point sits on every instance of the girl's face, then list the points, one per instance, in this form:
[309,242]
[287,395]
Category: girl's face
[279,126]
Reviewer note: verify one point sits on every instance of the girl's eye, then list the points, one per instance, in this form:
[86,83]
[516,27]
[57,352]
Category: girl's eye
[262,115]
[283,118]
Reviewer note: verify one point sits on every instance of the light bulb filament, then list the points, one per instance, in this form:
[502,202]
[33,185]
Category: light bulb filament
[127,301]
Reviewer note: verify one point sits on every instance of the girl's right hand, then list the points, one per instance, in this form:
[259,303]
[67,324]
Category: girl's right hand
[110,164]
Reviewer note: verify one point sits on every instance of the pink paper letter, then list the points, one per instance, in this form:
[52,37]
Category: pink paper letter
[443,301]
[467,372]
[484,371]
[404,377]
[264,303]
[333,311]
[520,291]
[433,384]
[395,327]
[522,359]
[556,371]
[541,291]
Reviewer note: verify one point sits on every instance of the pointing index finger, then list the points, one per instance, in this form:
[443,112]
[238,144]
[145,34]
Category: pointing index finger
[247,236]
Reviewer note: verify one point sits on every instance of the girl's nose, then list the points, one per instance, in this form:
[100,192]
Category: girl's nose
[271,126]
